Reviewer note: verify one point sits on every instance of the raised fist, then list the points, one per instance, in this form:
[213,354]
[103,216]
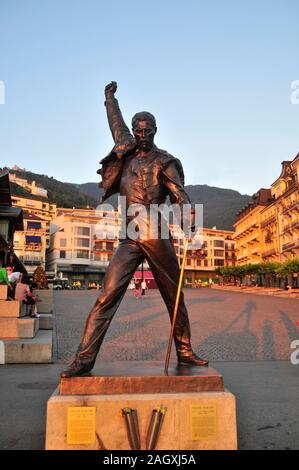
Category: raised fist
[110,90]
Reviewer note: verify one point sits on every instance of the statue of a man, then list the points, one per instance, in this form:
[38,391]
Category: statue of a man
[145,175]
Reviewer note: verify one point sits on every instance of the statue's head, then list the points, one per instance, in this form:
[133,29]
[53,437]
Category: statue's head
[144,130]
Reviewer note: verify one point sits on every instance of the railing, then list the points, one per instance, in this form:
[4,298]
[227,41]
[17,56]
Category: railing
[289,227]
[268,221]
[290,245]
[33,247]
[290,207]
[31,260]
[268,253]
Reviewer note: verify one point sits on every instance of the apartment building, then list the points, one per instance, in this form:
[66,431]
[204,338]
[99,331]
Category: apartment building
[268,228]
[218,249]
[82,243]
[30,244]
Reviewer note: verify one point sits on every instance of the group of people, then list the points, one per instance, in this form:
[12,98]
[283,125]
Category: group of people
[19,288]
[139,287]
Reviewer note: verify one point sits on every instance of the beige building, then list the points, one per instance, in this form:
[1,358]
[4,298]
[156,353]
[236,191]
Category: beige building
[82,244]
[218,250]
[31,244]
[268,228]
[37,206]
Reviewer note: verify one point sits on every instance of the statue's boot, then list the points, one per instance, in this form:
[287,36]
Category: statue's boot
[192,359]
[76,369]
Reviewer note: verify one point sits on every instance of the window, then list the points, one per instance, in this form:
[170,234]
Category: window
[206,262]
[85,231]
[82,242]
[219,253]
[219,243]
[63,242]
[219,262]
[62,254]
[98,245]
[81,254]
[109,246]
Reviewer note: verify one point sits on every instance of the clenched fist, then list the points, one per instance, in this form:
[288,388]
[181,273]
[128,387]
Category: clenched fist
[110,90]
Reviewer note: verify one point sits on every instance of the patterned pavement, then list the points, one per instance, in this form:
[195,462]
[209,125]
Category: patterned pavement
[226,326]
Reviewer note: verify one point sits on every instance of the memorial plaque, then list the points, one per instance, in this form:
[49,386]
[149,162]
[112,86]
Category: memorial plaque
[81,425]
[203,422]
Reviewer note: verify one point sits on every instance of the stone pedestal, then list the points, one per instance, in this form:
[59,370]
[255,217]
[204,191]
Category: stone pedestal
[200,415]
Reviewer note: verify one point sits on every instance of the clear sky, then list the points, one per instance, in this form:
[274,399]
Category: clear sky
[217,75]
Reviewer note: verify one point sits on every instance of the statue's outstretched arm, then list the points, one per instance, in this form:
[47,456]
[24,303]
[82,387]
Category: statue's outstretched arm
[119,129]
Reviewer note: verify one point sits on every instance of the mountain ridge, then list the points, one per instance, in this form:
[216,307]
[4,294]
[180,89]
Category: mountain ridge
[220,205]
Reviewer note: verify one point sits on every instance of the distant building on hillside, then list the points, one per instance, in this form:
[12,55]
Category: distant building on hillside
[32,187]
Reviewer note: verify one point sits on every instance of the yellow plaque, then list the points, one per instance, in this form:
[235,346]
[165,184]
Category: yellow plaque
[203,420]
[81,425]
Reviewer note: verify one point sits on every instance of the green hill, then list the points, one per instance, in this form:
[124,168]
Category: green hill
[219,205]
[63,194]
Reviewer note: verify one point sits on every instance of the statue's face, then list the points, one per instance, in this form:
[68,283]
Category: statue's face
[144,133]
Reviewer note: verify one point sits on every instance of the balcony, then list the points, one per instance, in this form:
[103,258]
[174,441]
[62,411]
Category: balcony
[290,246]
[269,253]
[247,231]
[31,260]
[253,240]
[33,247]
[293,206]
[290,227]
[268,221]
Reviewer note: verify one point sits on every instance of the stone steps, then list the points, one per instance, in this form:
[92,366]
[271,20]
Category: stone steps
[17,328]
[45,321]
[11,308]
[47,303]
[37,350]
[3,292]
[22,341]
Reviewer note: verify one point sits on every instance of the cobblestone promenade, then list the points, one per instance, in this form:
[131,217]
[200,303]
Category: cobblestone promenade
[226,326]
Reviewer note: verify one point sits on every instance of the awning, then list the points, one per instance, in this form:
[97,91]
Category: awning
[146,275]
[34,224]
[33,239]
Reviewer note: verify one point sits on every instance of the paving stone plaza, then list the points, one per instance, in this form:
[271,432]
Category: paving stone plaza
[225,326]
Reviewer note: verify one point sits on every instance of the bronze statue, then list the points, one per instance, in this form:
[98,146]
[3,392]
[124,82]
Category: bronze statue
[145,175]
